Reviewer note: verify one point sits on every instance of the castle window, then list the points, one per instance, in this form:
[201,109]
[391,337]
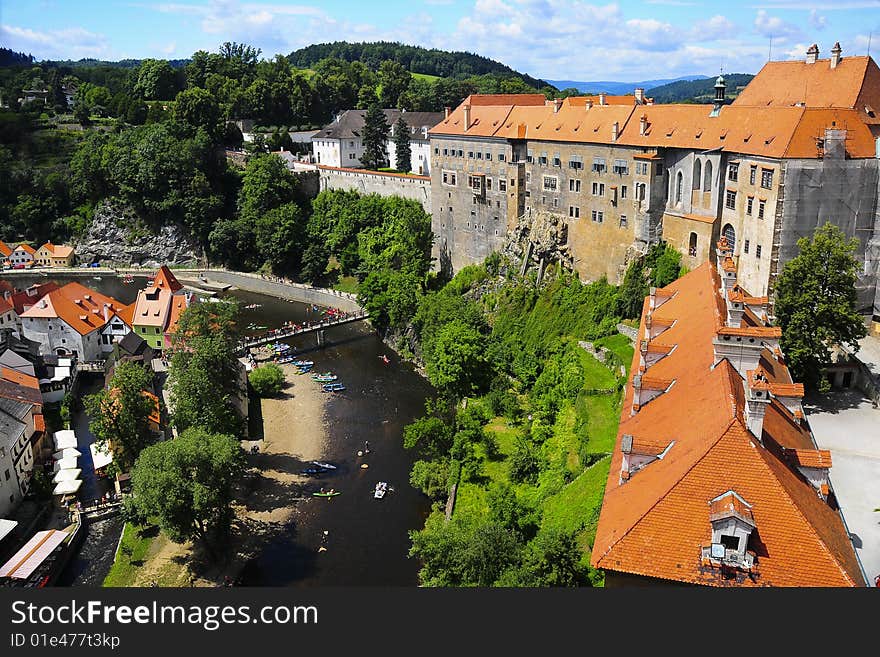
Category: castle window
[692,245]
[550,183]
[750,201]
[574,212]
[761,205]
[733,171]
[730,200]
[753,173]
[767,178]
[758,251]
[621,167]
[599,164]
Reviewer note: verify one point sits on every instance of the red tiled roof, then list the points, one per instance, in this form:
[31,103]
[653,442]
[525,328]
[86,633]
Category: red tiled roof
[4,249]
[19,378]
[810,458]
[730,504]
[39,422]
[655,524]
[78,306]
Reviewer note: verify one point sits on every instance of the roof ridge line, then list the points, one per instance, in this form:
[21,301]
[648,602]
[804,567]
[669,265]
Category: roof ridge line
[791,135]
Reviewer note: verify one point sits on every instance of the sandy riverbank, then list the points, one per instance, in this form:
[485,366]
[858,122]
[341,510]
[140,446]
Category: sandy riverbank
[294,434]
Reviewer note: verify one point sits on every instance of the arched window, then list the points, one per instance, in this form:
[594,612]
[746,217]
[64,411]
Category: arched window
[698,174]
[678,182]
[692,245]
[730,234]
[707,177]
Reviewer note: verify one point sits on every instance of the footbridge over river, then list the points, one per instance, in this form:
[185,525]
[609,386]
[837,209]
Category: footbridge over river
[317,328]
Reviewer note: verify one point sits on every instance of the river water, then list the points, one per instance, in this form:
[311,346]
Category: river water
[367,539]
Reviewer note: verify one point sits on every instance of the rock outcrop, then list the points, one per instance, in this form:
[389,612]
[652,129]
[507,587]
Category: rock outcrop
[117,235]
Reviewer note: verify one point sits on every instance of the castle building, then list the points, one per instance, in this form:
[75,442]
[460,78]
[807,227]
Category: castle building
[800,146]
[715,478]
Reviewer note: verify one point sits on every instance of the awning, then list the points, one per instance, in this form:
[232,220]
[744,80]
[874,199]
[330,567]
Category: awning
[100,457]
[65,464]
[65,438]
[66,453]
[67,487]
[34,553]
[6,526]
[66,475]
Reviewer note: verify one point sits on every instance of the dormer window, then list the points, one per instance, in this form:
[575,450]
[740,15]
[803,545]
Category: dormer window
[732,523]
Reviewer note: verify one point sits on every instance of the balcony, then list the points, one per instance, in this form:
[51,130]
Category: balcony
[731,559]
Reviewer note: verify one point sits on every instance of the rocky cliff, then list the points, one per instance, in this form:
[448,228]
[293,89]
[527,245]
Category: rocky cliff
[117,235]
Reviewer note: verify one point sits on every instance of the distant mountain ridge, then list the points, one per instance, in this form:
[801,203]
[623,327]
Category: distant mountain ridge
[700,91]
[620,88]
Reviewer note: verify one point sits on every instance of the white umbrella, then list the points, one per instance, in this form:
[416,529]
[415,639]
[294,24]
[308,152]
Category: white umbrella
[65,464]
[65,453]
[65,438]
[66,475]
[100,456]
[67,487]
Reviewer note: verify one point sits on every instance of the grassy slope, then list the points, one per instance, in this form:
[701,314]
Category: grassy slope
[124,568]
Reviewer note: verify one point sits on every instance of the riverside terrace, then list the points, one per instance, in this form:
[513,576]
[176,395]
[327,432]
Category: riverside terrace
[302,329]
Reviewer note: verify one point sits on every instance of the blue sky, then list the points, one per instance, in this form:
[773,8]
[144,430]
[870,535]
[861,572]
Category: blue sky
[628,40]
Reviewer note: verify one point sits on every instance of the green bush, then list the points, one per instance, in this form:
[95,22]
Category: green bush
[267,380]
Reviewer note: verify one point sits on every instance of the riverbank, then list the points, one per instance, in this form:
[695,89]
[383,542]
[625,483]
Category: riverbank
[267,502]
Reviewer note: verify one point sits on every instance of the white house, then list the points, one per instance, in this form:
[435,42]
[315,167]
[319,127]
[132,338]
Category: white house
[16,453]
[340,144]
[8,316]
[23,254]
[71,320]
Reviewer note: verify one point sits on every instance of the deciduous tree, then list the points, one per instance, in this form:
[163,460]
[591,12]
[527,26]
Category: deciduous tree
[816,303]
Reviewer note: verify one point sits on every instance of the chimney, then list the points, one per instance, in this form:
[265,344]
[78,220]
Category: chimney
[445,112]
[643,124]
[834,143]
[757,400]
[106,312]
[557,103]
[467,116]
[640,96]
[589,103]
[835,54]
[812,54]
[602,99]
[615,131]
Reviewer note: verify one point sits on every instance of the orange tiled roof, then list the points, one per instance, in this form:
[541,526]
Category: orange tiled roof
[19,378]
[699,217]
[810,458]
[655,524]
[5,306]
[178,305]
[80,307]
[752,331]
[164,279]
[4,249]
[48,246]
[854,83]
[27,248]
[730,504]
[63,251]
[776,132]
[787,389]
[39,422]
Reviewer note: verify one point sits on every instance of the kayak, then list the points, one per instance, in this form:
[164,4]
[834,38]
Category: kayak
[330,494]
[322,464]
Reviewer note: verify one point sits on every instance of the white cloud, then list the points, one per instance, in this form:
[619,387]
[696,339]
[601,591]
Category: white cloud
[717,27]
[821,5]
[817,21]
[69,43]
[773,26]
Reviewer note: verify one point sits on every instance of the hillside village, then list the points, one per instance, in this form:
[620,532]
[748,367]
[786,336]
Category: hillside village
[588,185]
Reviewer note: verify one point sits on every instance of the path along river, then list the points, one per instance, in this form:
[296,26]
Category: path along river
[367,539]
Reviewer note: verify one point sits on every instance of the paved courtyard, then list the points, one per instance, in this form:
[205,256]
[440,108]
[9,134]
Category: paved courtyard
[846,423]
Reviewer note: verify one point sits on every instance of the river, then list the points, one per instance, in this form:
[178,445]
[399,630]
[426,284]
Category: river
[367,539]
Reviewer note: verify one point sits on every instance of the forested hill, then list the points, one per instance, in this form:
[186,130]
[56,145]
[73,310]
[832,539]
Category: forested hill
[699,91]
[415,59]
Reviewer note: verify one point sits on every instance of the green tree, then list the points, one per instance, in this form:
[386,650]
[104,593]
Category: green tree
[431,477]
[632,293]
[204,375]
[375,138]
[395,80]
[524,462]
[459,365]
[430,436]
[156,80]
[664,263]
[186,484]
[266,185]
[267,380]
[196,108]
[402,148]
[119,415]
[555,559]
[816,303]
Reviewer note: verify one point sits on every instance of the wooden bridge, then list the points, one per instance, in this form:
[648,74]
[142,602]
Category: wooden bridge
[316,328]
